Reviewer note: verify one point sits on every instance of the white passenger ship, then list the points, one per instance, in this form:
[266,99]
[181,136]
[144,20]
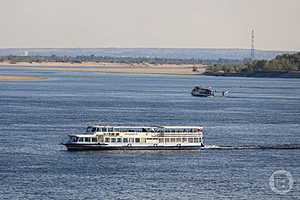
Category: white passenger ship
[99,137]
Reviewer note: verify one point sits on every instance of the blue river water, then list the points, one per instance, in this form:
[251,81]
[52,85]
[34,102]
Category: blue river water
[249,134]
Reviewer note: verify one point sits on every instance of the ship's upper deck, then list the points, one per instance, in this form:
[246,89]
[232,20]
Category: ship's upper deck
[153,129]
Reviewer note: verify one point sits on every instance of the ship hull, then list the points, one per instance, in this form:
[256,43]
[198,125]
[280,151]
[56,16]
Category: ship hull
[104,147]
[202,95]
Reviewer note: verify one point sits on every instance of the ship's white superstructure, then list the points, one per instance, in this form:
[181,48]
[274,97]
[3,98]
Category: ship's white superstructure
[99,137]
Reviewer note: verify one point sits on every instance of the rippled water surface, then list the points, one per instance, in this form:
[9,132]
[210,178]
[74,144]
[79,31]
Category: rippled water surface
[246,134]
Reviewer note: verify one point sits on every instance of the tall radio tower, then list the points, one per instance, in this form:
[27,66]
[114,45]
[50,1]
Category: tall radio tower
[252,44]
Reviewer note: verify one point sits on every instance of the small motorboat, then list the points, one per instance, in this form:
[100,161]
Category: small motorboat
[200,91]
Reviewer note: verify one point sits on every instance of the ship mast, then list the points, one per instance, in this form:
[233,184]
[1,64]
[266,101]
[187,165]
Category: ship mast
[252,45]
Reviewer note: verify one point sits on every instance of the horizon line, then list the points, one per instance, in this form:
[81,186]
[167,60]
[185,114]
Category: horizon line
[208,48]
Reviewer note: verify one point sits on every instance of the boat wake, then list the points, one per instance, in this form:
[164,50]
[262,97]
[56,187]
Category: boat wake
[279,146]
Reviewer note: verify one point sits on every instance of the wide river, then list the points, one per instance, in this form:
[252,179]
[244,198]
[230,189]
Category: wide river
[245,136]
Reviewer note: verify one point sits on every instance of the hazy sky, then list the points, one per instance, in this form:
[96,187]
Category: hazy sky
[150,23]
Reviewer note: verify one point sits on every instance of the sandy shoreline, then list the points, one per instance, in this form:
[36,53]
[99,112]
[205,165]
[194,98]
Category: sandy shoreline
[21,78]
[145,68]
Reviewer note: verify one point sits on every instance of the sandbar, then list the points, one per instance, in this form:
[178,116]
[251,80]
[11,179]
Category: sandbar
[21,78]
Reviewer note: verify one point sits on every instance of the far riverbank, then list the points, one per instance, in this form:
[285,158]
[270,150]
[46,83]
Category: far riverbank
[257,74]
[132,68]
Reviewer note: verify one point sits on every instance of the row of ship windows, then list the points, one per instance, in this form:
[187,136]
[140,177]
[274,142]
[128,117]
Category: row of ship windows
[141,140]
[112,134]
[117,134]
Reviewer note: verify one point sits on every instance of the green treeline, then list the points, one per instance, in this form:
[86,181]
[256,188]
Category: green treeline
[282,63]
